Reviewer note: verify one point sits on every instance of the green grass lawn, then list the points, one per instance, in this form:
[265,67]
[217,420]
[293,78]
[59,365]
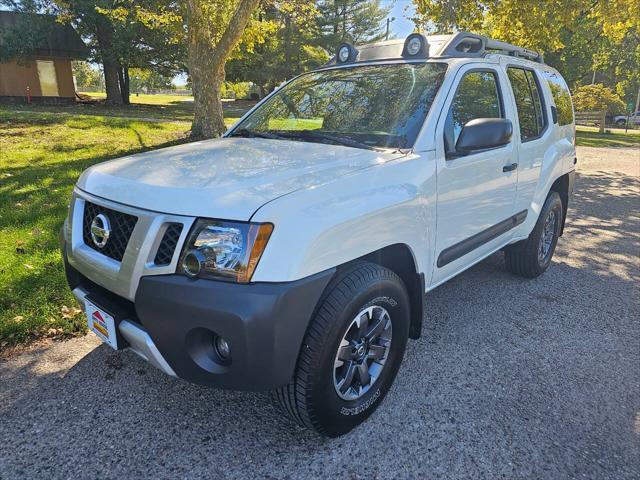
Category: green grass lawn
[589,137]
[160,107]
[41,156]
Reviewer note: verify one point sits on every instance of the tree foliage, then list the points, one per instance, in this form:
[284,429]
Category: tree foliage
[597,97]
[85,75]
[576,36]
[355,21]
[288,50]
[304,35]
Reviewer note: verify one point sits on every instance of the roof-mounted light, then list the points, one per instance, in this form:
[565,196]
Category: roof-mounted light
[416,46]
[346,53]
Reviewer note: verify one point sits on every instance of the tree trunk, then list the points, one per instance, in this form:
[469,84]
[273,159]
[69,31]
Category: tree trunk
[104,34]
[207,58]
[208,120]
[603,118]
[123,81]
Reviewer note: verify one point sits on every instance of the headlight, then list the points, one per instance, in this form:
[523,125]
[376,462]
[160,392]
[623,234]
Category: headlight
[224,250]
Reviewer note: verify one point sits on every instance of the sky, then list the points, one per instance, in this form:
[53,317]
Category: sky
[401,26]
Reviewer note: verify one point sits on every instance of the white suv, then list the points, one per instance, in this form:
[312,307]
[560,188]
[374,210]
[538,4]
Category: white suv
[293,254]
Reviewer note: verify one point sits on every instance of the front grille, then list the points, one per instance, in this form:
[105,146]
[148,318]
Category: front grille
[121,224]
[168,245]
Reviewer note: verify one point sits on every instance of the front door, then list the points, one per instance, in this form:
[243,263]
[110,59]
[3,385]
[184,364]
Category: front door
[475,192]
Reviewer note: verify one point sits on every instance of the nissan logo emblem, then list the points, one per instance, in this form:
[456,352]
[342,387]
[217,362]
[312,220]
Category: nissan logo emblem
[100,230]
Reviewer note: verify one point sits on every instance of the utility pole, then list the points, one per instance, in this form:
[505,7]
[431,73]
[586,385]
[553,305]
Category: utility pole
[389,20]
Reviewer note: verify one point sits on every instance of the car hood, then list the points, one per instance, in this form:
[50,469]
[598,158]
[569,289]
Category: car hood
[226,178]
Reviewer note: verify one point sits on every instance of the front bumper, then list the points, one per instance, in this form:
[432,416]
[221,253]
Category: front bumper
[174,320]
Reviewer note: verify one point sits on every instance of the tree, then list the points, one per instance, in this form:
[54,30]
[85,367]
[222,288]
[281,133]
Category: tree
[148,80]
[148,35]
[355,21]
[576,36]
[598,98]
[85,75]
[288,47]
[214,28]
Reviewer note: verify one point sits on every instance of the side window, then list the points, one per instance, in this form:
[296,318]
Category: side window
[477,96]
[537,101]
[528,102]
[561,97]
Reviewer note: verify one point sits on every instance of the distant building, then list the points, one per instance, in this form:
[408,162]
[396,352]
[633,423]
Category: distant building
[41,74]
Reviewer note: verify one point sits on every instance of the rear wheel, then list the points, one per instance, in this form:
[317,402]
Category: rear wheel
[531,257]
[351,352]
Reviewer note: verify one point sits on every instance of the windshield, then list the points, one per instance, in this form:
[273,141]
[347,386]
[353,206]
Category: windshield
[370,106]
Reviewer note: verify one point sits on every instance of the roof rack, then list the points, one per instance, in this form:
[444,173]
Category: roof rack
[465,44]
[461,44]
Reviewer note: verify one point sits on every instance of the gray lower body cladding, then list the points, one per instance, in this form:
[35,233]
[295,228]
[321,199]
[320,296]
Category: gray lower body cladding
[263,323]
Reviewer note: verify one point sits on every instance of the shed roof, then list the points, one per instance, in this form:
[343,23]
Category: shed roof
[42,35]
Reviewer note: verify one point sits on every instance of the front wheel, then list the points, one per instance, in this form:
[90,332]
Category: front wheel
[351,352]
[531,257]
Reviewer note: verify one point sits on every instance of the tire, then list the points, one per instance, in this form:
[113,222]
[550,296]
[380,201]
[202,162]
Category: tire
[313,399]
[621,123]
[525,258]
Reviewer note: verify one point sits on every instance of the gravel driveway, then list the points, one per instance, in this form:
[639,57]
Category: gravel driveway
[511,379]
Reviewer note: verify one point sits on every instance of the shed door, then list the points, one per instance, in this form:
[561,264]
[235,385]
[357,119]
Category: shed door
[47,76]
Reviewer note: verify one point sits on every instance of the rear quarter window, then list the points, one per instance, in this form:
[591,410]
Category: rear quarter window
[561,97]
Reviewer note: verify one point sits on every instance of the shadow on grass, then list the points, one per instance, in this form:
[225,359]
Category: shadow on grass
[173,110]
[33,204]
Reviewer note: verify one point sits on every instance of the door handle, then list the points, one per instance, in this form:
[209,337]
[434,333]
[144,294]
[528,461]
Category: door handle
[510,168]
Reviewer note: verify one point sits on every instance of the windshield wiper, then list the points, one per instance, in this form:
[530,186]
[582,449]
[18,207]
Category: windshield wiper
[316,135]
[244,132]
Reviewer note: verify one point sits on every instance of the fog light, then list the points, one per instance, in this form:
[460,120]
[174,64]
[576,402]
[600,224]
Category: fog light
[222,348]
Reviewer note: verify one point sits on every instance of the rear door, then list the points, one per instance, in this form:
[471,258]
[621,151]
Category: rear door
[475,192]
[532,132]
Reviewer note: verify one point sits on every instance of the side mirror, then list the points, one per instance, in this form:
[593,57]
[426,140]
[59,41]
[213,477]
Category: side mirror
[484,133]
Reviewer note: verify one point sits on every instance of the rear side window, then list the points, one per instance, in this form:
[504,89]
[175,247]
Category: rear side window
[561,97]
[528,102]
[477,96]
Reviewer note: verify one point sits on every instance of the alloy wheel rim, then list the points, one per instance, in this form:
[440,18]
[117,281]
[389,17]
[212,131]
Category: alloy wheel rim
[548,234]
[362,353]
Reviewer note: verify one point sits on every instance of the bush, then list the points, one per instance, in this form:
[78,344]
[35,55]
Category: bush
[238,90]
[597,98]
